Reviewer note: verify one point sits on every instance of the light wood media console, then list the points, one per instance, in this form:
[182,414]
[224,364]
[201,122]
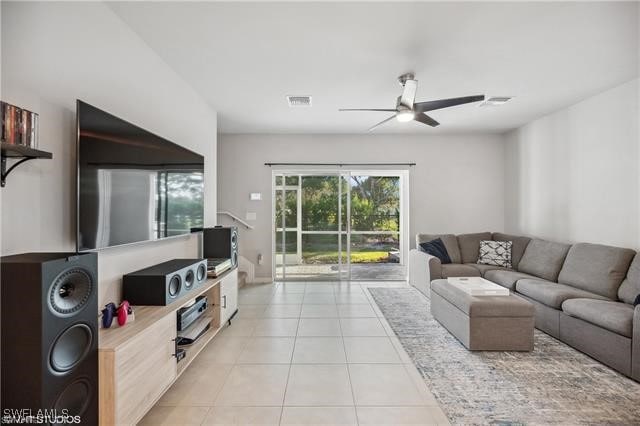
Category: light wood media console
[137,361]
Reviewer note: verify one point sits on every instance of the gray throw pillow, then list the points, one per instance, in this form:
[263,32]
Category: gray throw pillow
[495,253]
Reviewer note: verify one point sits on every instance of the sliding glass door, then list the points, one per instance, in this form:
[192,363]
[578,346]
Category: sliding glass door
[339,226]
[374,232]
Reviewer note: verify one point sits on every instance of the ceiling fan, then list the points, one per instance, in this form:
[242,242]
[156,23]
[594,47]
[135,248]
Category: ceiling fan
[406,109]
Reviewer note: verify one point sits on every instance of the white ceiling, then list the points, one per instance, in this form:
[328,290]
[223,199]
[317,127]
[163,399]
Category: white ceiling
[244,58]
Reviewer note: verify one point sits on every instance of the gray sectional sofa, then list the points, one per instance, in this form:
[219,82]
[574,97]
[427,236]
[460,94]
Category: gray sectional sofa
[583,293]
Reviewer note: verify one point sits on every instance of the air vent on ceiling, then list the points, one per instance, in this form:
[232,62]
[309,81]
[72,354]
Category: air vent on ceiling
[299,101]
[495,101]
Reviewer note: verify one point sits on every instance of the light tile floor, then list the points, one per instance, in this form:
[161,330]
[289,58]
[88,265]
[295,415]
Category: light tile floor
[359,271]
[302,353]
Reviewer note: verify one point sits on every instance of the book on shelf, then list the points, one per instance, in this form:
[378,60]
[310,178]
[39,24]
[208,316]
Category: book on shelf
[215,267]
[19,126]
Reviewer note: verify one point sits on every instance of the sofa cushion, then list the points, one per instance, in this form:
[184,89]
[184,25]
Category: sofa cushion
[436,248]
[543,259]
[484,268]
[613,316]
[470,245]
[596,268]
[517,249]
[459,270]
[630,287]
[449,240]
[550,293]
[505,277]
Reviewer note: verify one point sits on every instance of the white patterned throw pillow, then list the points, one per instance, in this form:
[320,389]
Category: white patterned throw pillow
[495,253]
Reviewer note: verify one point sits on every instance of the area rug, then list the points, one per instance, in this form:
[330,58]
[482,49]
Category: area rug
[554,384]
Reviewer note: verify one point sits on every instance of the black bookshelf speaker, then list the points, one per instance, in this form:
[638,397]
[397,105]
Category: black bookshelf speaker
[221,242]
[50,337]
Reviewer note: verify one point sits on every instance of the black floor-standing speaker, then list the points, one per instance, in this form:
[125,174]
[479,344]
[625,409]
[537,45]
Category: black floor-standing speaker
[50,337]
[221,242]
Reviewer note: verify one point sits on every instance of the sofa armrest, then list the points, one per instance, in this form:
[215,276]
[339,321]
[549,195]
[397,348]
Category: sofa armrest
[422,269]
[635,345]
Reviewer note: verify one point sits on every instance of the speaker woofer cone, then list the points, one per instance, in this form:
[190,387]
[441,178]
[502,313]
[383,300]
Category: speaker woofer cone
[174,285]
[70,348]
[75,398]
[202,272]
[188,279]
[70,292]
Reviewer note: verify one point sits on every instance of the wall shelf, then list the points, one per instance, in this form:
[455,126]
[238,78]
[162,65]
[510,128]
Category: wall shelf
[17,152]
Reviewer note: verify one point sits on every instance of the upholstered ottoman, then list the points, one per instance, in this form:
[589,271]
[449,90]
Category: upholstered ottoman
[483,323]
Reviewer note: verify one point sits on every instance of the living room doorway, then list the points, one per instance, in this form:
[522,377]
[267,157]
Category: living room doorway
[340,225]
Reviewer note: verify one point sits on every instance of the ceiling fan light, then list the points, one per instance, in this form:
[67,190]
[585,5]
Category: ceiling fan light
[405,116]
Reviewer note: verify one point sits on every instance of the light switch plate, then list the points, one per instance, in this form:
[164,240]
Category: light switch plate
[255,196]
[250,216]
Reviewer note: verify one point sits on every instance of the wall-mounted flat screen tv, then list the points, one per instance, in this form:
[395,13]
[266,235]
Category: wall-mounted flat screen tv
[132,185]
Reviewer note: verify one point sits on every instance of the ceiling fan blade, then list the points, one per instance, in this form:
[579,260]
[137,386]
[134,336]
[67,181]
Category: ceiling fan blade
[446,103]
[425,119]
[382,122]
[409,93]
[366,109]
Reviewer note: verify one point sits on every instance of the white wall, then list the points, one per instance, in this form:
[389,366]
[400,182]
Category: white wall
[53,53]
[574,174]
[456,186]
